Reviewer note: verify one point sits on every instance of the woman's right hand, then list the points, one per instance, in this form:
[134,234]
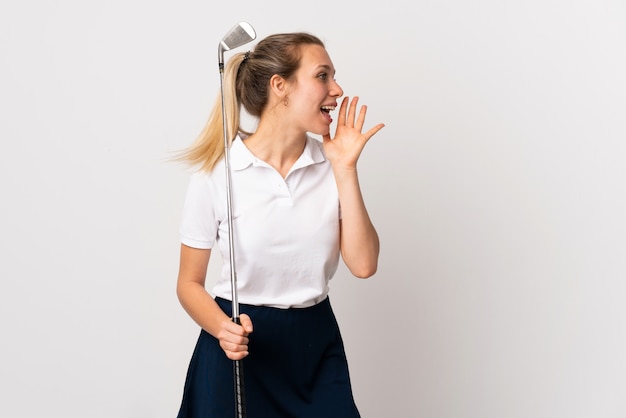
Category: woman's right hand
[233,337]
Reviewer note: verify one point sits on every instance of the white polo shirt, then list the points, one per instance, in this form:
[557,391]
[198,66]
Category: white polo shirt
[286,231]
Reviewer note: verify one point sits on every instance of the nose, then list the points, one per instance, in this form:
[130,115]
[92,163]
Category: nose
[335,89]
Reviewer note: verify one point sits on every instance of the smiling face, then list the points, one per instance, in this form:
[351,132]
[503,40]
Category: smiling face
[313,92]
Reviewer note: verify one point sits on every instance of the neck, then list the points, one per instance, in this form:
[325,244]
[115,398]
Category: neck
[277,147]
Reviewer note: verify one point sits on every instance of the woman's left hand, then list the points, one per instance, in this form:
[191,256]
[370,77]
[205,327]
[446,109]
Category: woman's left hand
[344,149]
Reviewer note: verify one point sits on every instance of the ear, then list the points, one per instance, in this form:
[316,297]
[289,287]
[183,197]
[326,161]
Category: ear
[279,86]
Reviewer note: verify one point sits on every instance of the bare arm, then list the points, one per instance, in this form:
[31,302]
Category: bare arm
[359,240]
[203,309]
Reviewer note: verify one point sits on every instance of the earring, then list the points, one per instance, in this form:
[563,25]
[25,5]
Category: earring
[286,101]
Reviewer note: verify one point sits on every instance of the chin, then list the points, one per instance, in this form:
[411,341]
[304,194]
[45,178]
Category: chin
[321,131]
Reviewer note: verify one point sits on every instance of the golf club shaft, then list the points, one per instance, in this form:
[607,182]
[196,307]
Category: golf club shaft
[240,400]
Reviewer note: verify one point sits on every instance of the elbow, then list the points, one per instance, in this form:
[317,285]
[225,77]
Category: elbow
[364,271]
[362,264]
[182,292]
[179,293]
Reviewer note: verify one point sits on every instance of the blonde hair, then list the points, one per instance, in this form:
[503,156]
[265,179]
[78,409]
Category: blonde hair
[208,148]
[246,83]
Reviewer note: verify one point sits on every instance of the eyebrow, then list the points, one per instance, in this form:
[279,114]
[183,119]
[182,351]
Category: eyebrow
[326,67]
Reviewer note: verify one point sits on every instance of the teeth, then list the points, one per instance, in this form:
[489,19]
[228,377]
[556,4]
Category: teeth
[329,108]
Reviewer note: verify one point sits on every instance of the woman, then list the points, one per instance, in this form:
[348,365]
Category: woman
[297,205]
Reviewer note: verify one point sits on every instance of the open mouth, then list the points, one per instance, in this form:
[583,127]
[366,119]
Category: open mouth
[326,112]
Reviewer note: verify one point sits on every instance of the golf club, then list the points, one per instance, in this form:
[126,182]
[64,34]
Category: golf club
[239,35]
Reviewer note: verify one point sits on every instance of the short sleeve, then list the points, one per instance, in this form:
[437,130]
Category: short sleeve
[198,227]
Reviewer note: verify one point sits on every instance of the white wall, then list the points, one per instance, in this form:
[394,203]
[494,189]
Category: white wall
[498,188]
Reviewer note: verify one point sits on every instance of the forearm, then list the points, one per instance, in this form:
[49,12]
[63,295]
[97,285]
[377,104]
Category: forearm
[359,240]
[201,306]
[191,291]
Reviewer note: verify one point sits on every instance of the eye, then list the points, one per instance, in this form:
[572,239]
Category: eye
[322,76]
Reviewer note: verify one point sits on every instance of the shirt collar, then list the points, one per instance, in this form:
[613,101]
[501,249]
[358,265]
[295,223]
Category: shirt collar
[241,157]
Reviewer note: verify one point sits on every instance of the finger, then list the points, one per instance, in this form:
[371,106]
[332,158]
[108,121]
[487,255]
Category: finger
[352,111]
[373,131]
[246,323]
[233,333]
[342,112]
[236,355]
[234,340]
[234,346]
[231,343]
[236,352]
[361,119]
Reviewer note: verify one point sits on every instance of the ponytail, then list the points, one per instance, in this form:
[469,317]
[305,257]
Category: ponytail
[208,148]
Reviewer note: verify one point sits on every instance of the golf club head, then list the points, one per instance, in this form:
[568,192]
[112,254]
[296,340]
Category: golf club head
[239,35]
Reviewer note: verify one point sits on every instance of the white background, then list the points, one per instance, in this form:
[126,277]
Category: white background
[498,188]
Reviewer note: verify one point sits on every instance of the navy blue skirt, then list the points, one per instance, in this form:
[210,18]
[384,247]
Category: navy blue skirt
[296,368]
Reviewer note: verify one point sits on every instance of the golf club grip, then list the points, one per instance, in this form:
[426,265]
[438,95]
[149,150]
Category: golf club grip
[240,396]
